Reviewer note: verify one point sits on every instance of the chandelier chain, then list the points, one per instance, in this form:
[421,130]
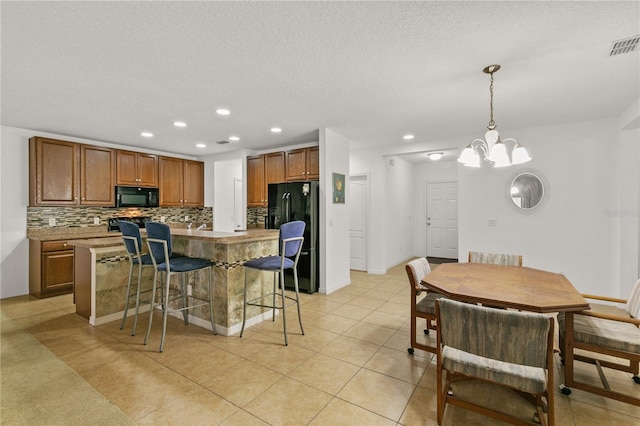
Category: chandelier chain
[492,124]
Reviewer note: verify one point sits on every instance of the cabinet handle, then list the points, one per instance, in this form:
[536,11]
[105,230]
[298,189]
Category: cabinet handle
[64,245]
[83,198]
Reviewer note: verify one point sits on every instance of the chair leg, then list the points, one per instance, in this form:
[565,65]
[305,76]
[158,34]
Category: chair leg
[213,324]
[185,297]
[135,319]
[295,282]
[165,310]
[128,296]
[153,299]
[284,317]
[244,303]
[275,283]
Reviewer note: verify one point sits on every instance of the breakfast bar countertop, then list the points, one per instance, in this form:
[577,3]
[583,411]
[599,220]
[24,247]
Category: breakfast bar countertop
[96,238]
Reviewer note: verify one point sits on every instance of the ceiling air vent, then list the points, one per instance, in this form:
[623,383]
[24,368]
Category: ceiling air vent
[626,45]
[222,142]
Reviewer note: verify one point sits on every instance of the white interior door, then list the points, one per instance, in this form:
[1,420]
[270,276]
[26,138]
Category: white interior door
[442,220]
[358,222]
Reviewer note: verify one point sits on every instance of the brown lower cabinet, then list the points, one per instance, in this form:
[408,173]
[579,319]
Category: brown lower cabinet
[50,268]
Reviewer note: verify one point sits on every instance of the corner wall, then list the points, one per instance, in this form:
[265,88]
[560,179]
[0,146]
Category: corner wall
[334,218]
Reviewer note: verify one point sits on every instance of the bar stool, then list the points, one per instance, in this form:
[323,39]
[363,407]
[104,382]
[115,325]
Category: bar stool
[291,238]
[159,242]
[133,243]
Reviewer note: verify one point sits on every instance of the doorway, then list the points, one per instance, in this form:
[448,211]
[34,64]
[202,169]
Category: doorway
[358,201]
[442,220]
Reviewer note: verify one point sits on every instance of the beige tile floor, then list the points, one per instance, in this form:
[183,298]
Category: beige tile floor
[350,368]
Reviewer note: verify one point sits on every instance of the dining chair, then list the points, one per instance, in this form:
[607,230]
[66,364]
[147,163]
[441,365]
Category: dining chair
[495,258]
[508,348]
[421,307]
[133,243]
[290,245]
[160,248]
[603,332]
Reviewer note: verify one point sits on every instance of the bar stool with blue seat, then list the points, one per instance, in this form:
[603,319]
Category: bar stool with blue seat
[159,242]
[133,243]
[290,246]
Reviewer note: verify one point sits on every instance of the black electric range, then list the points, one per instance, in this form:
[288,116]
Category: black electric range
[138,220]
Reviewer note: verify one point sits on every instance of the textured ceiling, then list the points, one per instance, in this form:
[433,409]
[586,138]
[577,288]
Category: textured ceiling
[371,71]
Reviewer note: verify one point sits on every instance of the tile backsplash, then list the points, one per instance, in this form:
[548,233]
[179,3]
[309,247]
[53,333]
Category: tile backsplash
[72,217]
[255,216]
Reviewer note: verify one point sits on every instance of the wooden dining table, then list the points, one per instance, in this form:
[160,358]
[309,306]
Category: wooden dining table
[512,287]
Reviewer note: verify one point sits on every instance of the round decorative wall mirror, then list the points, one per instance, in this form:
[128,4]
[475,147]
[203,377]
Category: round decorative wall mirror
[527,191]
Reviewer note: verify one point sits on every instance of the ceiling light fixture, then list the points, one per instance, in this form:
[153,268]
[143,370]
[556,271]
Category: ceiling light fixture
[222,111]
[276,129]
[407,137]
[180,124]
[234,138]
[492,147]
[201,145]
[146,134]
[435,156]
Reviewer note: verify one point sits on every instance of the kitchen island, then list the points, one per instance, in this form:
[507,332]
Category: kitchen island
[102,270]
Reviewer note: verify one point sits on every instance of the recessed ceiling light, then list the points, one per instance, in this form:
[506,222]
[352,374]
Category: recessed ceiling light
[201,145]
[276,129]
[435,156]
[180,124]
[222,111]
[146,134]
[234,138]
[407,137]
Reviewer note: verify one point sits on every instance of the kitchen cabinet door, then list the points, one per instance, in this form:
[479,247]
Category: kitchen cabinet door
[255,182]
[171,176]
[193,184]
[147,166]
[98,178]
[53,172]
[313,163]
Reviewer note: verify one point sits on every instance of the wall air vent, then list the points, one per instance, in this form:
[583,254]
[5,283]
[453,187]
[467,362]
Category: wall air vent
[222,142]
[626,45]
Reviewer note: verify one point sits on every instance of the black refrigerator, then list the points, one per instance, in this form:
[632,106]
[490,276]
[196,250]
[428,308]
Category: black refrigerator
[298,201]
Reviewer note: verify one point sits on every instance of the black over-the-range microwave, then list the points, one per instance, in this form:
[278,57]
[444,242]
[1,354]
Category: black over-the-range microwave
[134,196]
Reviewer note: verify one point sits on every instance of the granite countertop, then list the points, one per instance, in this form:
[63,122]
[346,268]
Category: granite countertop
[88,238]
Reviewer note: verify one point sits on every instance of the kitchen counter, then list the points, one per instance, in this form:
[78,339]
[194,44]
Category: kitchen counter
[102,270]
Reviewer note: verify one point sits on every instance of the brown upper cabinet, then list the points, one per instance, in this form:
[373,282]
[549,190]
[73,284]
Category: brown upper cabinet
[136,169]
[67,173]
[97,176]
[181,182]
[303,164]
[53,172]
[261,171]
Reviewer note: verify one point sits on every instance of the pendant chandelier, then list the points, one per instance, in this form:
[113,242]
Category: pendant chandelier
[492,148]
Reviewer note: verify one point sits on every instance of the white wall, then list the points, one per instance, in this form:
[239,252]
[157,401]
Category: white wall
[400,231]
[14,250]
[571,233]
[14,254]
[334,218]
[424,173]
[225,173]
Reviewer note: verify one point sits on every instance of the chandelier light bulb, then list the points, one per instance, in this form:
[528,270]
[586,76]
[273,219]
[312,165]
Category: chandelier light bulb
[519,155]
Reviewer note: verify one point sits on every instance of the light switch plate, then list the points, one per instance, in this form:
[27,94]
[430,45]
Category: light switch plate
[96,221]
[163,219]
[52,221]
[186,218]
